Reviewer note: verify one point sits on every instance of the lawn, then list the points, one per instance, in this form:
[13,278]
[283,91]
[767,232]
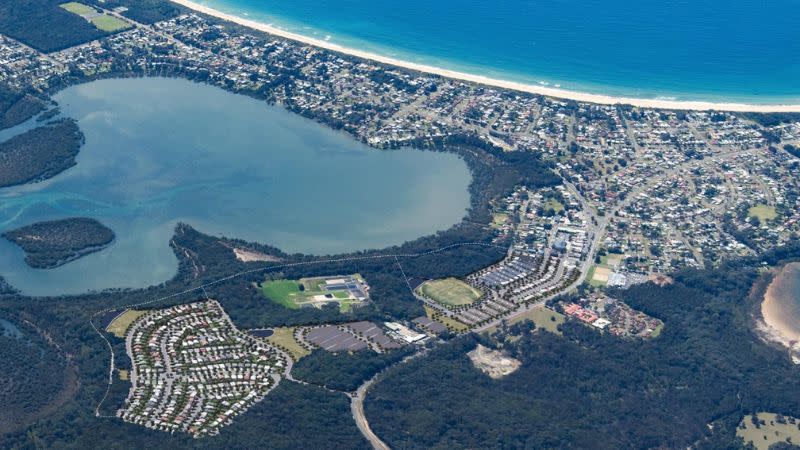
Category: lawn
[770,433]
[553,204]
[120,324]
[284,337]
[543,317]
[498,219]
[282,292]
[450,292]
[763,212]
[78,8]
[453,324]
[287,293]
[598,276]
[109,23]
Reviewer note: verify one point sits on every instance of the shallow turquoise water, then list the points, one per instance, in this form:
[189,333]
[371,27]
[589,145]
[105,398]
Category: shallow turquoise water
[159,151]
[747,50]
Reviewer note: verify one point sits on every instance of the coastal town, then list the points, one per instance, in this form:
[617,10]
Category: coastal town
[645,193]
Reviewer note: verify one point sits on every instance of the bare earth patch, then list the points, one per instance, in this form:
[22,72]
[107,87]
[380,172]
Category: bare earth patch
[245,255]
[492,362]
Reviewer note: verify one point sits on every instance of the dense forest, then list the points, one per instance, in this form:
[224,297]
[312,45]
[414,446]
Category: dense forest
[40,153]
[17,107]
[43,25]
[142,11]
[32,374]
[689,387]
[345,371]
[54,243]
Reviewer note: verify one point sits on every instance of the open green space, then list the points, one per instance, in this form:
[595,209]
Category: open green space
[553,204]
[78,8]
[294,294]
[109,23]
[282,292]
[772,429]
[119,326]
[763,212]
[284,338]
[450,292]
[542,317]
[498,219]
[450,323]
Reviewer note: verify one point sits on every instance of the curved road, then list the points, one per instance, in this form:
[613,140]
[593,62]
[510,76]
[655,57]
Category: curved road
[357,407]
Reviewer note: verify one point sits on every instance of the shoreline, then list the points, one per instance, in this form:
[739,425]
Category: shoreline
[546,91]
[776,321]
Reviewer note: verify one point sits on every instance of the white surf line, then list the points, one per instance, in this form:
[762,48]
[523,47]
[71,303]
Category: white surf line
[488,81]
[247,272]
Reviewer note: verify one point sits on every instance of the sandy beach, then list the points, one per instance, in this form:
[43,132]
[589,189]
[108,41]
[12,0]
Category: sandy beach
[505,84]
[781,325]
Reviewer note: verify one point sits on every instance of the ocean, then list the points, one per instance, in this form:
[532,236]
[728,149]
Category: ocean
[745,51]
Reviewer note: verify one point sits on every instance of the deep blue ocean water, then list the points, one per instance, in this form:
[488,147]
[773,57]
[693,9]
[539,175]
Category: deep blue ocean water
[743,50]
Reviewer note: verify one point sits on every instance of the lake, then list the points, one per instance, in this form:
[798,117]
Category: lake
[159,151]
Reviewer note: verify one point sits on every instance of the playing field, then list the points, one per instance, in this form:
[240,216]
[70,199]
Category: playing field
[288,293]
[284,337]
[450,291]
[78,8]
[109,23]
[120,324]
[763,212]
[282,292]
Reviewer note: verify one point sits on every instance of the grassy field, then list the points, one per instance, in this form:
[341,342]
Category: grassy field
[598,276]
[771,431]
[282,292]
[553,204]
[287,293]
[763,212]
[543,317]
[498,219]
[447,321]
[450,291]
[284,337]
[109,23]
[120,324]
[78,8]
[124,375]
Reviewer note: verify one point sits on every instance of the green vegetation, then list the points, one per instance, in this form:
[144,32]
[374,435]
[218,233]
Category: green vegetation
[55,243]
[706,368]
[498,219]
[40,153]
[543,317]
[294,294]
[17,107]
[142,11]
[45,26]
[765,429]
[345,371]
[554,204]
[31,376]
[282,292]
[449,322]
[763,212]
[110,23]
[284,338]
[450,292]
[78,8]
[119,326]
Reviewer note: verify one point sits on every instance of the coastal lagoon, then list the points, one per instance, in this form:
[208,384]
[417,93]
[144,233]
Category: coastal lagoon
[159,151]
[746,51]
